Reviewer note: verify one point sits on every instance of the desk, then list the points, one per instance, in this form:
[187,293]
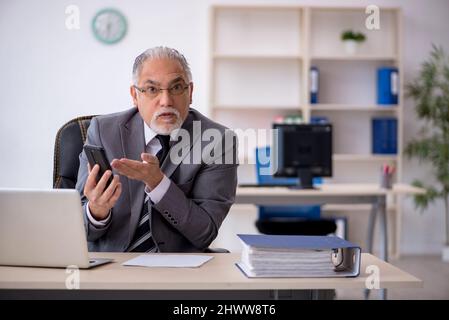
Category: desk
[333,194]
[214,279]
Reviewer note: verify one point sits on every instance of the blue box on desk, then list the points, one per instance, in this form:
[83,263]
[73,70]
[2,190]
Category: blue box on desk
[384,135]
[387,85]
[319,120]
[305,211]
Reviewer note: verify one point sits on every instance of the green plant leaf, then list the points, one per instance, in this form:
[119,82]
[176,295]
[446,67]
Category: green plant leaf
[422,201]
[347,35]
[419,149]
[351,35]
[430,93]
[359,37]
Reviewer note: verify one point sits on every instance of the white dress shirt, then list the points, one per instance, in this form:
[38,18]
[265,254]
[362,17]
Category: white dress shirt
[153,147]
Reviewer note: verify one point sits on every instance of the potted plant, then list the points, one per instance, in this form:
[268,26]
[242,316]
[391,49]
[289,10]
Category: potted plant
[430,92]
[352,40]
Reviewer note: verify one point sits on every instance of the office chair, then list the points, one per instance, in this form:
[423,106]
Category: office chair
[289,220]
[68,146]
[69,142]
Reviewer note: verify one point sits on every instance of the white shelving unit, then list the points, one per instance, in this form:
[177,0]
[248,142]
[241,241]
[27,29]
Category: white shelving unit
[260,57]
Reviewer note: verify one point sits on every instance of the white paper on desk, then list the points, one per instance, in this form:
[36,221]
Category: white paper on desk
[168,260]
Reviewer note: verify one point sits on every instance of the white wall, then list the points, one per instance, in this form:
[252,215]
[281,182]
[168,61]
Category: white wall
[49,75]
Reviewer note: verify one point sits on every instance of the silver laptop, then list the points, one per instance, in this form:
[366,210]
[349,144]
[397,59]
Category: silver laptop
[43,228]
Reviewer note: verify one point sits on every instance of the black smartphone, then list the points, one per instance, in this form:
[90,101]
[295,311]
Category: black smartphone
[96,155]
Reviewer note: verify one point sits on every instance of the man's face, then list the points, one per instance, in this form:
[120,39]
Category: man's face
[161,110]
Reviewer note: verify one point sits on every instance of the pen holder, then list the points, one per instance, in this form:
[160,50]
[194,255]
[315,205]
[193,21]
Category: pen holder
[386,180]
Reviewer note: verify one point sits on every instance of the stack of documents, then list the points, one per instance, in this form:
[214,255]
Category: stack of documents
[298,256]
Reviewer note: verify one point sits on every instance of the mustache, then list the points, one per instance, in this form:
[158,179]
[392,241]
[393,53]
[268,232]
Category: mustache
[165,111]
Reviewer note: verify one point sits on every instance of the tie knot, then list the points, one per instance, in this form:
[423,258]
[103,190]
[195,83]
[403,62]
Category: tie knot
[164,140]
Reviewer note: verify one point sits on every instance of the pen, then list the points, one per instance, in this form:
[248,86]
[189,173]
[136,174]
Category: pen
[392,170]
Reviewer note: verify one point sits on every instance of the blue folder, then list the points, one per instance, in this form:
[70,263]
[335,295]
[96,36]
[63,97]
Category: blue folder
[314,84]
[384,135]
[295,242]
[387,85]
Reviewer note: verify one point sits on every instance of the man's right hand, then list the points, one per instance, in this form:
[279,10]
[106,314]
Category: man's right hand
[101,201]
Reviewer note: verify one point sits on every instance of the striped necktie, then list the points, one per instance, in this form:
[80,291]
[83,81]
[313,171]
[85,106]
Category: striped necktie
[143,239]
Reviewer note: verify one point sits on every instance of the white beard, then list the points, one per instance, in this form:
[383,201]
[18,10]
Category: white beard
[165,129]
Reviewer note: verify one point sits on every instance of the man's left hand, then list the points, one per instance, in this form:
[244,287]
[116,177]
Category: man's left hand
[147,171]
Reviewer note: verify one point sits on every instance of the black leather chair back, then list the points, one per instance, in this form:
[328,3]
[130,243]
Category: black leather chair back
[68,146]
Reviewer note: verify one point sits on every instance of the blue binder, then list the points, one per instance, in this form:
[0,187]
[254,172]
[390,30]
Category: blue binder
[384,135]
[314,84]
[298,256]
[295,242]
[387,85]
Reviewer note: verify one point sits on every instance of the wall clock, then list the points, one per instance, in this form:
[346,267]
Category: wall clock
[109,26]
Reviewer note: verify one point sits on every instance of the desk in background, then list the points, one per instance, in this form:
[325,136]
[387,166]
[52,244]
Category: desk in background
[217,279]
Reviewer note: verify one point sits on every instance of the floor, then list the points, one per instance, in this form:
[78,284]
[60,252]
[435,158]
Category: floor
[430,269]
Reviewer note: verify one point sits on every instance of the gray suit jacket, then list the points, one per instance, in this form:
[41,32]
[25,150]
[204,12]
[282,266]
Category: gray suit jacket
[196,203]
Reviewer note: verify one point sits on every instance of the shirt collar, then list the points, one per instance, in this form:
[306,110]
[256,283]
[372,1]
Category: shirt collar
[149,133]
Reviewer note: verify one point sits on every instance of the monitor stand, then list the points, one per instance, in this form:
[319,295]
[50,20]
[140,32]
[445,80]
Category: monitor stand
[305,180]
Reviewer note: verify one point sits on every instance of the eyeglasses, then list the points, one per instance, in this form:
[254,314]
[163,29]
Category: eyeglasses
[153,92]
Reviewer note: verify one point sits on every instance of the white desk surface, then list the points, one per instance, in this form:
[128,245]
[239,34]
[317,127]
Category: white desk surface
[340,189]
[220,273]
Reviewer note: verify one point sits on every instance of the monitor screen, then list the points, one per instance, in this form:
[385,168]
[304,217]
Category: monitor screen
[303,150]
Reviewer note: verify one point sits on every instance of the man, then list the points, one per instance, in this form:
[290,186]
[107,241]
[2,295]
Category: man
[155,203]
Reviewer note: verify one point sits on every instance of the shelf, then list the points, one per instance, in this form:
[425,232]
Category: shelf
[347,107]
[259,56]
[354,58]
[265,56]
[344,158]
[257,107]
[313,107]
[252,82]
[251,31]
[327,26]
[258,7]
[351,207]
[364,157]
[351,8]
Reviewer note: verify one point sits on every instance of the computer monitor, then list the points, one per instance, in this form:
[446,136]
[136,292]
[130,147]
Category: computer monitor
[304,151]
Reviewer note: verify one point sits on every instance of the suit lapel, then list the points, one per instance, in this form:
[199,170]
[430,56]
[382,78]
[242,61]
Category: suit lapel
[133,144]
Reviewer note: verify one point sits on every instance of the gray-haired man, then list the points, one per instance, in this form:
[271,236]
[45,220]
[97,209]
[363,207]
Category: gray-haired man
[151,207]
